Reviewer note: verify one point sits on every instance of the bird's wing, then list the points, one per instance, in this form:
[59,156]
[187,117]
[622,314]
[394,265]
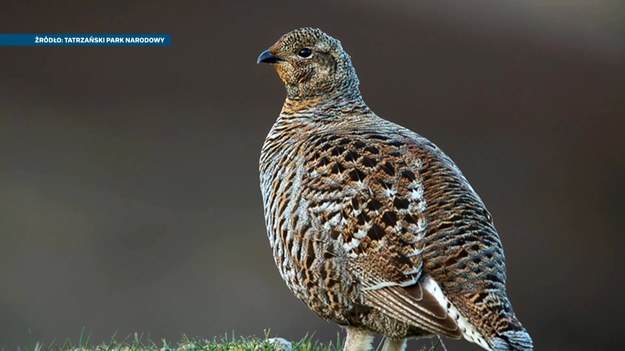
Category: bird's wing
[368,196]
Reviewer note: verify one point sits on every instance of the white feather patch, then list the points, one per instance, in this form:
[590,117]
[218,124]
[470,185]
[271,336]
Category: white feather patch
[469,332]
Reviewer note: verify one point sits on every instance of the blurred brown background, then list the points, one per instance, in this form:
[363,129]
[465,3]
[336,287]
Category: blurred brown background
[129,195]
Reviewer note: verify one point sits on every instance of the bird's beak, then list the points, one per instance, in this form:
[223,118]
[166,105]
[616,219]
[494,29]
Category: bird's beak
[267,57]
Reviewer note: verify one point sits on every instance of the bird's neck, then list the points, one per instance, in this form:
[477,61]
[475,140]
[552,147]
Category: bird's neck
[323,107]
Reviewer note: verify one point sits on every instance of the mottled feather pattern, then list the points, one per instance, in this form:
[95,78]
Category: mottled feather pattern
[372,225]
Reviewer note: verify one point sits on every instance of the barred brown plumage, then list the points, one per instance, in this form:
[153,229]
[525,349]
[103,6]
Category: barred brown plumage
[372,225]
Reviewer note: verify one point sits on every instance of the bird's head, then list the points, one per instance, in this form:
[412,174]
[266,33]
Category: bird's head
[312,64]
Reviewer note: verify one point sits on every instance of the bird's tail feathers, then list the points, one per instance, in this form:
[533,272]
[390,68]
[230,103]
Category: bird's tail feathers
[512,340]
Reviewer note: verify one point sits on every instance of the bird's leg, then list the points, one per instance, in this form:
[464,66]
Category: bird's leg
[391,344]
[357,340]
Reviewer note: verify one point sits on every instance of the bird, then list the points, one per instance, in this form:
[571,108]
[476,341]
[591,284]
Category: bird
[370,224]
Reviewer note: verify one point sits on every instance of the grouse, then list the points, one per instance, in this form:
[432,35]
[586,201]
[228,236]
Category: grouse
[370,224]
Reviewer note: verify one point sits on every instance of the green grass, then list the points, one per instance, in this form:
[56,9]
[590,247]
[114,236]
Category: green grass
[137,342]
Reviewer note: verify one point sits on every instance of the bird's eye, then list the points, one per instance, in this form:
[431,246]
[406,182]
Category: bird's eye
[304,53]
